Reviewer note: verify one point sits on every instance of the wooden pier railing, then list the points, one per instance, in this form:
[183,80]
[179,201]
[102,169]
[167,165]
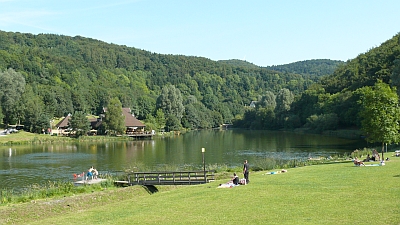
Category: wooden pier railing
[169,178]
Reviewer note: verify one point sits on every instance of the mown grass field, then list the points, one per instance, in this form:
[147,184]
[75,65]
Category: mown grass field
[336,193]
[23,137]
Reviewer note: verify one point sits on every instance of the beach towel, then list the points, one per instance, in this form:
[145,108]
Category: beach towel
[227,185]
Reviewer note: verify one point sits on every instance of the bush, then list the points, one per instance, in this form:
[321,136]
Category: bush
[323,122]
[361,153]
[292,122]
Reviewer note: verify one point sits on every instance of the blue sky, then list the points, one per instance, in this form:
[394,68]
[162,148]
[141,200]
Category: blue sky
[264,32]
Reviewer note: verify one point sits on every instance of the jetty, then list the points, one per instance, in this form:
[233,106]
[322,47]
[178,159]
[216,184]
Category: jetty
[168,178]
[140,135]
[81,179]
[226,125]
[89,181]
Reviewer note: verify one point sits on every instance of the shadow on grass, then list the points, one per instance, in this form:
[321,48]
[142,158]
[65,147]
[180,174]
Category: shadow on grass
[151,189]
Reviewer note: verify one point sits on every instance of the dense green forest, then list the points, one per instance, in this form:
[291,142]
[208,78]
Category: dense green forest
[336,100]
[238,62]
[45,76]
[62,74]
[316,67]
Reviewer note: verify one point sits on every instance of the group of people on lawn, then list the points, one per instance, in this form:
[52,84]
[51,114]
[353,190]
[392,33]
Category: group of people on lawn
[375,157]
[235,179]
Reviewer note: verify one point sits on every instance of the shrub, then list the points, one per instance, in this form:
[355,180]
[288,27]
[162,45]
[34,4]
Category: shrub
[323,122]
[361,153]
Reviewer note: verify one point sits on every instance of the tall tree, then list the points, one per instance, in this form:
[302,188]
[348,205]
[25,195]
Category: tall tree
[190,118]
[114,120]
[160,119]
[12,85]
[172,123]
[380,113]
[79,123]
[34,108]
[267,101]
[41,124]
[284,99]
[396,75]
[145,106]
[171,103]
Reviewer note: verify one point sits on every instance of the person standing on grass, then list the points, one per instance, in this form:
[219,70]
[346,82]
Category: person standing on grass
[246,171]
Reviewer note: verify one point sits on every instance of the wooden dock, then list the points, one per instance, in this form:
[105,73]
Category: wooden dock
[226,125]
[89,181]
[168,178]
[140,135]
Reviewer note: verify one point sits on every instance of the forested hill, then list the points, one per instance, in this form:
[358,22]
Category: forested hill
[66,74]
[379,63]
[45,76]
[238,62]
[353,96]
[315,67]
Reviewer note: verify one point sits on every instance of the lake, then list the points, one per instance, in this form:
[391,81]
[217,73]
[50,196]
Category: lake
[24,165]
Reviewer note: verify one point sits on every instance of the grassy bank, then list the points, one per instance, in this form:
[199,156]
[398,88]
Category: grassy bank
[23,137]
[341,133]
[335,193]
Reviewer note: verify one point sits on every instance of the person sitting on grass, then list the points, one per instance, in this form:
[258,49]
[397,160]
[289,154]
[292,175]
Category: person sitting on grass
[235,179]
[233,182]
[367,159]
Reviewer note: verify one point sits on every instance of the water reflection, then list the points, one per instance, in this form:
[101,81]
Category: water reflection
[24,165]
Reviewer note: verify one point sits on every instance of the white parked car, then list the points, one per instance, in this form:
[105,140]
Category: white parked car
[11,130]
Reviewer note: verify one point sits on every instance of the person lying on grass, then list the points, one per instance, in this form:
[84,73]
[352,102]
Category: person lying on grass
[358,162]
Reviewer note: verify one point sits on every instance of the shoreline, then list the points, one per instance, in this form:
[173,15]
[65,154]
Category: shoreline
[22,138]
[286,192]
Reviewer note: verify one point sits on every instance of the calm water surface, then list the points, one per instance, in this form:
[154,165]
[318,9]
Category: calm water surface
[22,166]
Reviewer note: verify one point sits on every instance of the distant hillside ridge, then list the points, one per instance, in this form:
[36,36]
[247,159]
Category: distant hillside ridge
[66,74]
[379,63]
[314,67]
[239,62]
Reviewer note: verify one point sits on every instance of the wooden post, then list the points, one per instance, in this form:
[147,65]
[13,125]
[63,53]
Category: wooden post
[203,150]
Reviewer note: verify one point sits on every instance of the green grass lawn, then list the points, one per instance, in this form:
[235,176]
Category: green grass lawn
[337,193]
[23,137]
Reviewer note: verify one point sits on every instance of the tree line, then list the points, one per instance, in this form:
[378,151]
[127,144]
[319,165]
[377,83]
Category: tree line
[315,67]
[57,75]
[362,94]
[46,76]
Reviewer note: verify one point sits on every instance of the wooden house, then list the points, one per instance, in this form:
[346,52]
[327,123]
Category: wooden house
[62,126]
[132,124]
